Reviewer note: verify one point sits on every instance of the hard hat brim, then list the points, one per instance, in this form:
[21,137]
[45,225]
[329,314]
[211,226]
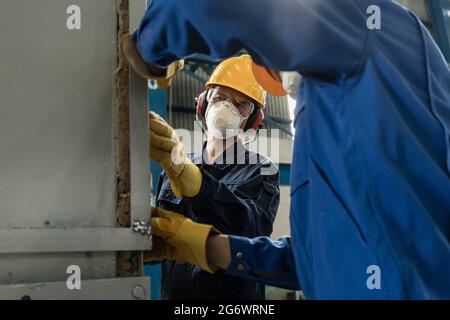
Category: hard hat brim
[268,81]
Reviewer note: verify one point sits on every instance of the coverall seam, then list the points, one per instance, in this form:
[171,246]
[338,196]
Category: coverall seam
[362,61]
[376,220]
[347,85]
[359,156]
[265,216]
[429,91]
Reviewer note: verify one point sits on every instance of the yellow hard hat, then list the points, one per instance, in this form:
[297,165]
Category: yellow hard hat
[236,73]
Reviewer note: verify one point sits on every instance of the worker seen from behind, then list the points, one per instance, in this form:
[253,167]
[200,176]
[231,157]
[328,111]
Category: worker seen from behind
[370,175]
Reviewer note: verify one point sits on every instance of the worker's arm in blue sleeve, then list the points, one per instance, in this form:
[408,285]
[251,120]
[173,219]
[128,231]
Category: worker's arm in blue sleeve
[248,208]
[324,38]
[264,260]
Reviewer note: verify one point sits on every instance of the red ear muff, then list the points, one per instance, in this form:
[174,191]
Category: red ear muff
[202,104]
[255,120]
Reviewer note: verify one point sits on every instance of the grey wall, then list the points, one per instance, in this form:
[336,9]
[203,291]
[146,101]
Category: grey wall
[56,129]
[56,123]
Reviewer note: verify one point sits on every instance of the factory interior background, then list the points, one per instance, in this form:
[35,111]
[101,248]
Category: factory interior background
[84,196]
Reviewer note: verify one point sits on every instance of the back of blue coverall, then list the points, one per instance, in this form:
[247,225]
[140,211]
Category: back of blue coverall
[371,162]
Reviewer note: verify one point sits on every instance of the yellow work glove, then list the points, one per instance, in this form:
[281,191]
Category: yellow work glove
[165,148]
[143,69]
[176,237]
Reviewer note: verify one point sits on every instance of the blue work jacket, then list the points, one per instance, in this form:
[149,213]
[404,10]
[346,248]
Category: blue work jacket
[370,209]
[239,195]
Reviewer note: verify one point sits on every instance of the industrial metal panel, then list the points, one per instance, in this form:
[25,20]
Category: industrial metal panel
[139,147]
[50,267]
[56,126]
[103,289]
[71,240]
[57,133]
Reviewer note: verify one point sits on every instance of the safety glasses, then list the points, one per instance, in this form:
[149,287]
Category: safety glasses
[243,105]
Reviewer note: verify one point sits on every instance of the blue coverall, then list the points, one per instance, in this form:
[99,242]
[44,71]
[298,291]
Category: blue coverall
[238,198]
[371,161]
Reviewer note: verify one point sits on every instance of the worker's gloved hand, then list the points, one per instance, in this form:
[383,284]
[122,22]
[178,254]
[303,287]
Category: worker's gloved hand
[146,70]
[176,237]
[165,147]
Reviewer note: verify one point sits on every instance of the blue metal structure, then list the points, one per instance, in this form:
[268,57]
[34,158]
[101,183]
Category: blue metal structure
[285,174]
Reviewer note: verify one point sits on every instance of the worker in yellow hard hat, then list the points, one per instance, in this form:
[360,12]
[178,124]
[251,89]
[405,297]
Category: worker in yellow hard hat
[234,100]
[213,186]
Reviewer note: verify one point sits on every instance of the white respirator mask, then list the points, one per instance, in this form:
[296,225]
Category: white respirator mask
[291,82]
[223,119]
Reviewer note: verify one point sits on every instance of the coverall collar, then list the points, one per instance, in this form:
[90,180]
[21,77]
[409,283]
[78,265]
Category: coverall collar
[234,154]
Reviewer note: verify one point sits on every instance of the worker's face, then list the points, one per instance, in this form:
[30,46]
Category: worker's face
[227,112]
[242,103]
